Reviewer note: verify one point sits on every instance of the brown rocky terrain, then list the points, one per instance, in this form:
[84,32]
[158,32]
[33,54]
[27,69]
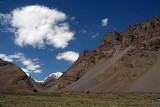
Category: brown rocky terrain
[12,78]
[126,61]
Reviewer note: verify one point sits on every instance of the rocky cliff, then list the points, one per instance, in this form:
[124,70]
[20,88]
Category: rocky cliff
[118,63]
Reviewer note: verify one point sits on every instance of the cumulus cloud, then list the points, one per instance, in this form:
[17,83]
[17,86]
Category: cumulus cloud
[104,22]
[68,55]
[31,64]
[38,26]
[95,35]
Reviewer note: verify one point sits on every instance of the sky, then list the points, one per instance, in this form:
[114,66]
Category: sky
[46,36]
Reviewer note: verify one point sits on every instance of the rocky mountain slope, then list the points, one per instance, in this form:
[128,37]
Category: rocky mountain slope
[126,61]
[12,78]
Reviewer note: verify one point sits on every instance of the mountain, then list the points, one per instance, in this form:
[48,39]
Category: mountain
[52,77]
[128,61]
[12,78]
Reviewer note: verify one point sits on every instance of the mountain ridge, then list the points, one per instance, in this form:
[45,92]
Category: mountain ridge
[144,38]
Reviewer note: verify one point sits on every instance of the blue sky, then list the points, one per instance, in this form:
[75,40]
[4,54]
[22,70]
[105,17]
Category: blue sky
[74,25]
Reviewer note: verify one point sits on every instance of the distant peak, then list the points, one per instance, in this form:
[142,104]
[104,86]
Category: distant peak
[57,74]
[51,77]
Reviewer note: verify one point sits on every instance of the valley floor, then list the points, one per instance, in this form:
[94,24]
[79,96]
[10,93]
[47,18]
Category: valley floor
[83,99]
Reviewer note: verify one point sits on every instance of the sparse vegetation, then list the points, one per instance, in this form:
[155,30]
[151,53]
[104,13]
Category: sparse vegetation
[14,99]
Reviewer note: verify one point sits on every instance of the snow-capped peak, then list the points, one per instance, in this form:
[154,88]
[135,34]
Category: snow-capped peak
[52,76]
[57,74]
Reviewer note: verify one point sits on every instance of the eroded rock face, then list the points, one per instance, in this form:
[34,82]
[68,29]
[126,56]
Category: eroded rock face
[144,37]
[139,33]
[109,41]
[12,78]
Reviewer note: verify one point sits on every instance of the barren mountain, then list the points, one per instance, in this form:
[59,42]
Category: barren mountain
[127,61]
[12,78]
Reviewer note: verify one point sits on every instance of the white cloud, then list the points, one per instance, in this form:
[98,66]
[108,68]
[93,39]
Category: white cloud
[39,26]
[26,62]
[68,55]
[33,67]
[37,71]
[31,64]
[95,35]
[5,57]
[26,70]
[16,55]
[104,22]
